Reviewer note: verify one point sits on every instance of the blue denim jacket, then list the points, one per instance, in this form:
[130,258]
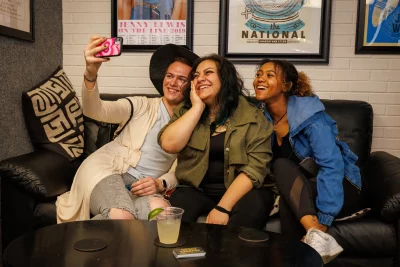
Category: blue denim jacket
[312,133]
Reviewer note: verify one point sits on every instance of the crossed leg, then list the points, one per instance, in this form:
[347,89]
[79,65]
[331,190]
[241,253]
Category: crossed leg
[111,200]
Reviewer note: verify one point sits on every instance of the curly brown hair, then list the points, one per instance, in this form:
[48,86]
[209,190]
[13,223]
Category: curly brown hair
[301,84]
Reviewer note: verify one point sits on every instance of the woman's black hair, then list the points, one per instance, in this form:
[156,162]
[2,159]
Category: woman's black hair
[231,88]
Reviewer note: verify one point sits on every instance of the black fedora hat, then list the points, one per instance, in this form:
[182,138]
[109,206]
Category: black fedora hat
[162,58]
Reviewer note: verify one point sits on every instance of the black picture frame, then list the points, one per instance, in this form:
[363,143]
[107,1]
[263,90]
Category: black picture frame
[250,57]
[18,33]
[127,47]
[380,42]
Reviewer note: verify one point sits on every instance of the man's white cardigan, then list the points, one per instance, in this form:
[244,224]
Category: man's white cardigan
[114,157]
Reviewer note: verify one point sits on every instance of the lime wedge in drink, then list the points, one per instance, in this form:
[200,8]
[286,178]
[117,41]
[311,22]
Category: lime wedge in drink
[154,213]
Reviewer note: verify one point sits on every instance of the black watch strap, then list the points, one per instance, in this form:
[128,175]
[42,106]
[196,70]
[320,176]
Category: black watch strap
[164,183]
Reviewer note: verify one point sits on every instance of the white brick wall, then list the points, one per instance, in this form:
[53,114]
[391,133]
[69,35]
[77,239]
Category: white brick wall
[371,78]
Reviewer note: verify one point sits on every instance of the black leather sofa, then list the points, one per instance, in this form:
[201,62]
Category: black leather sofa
[30,184]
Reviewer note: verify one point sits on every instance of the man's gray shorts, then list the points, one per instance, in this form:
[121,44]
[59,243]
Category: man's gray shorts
[111,192]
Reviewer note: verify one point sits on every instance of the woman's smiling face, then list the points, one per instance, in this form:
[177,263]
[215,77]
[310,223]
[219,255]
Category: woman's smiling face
[206,81]
[268,84]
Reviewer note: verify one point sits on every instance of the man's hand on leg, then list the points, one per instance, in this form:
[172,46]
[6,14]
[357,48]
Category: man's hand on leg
[146,186]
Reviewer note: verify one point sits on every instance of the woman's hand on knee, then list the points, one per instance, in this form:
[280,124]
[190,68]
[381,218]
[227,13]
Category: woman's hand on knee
[217,217]
[144,187]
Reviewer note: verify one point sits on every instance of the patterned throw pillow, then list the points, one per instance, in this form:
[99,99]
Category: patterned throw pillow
[54,116]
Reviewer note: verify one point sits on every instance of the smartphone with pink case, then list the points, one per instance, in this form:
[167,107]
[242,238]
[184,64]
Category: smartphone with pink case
[114,47]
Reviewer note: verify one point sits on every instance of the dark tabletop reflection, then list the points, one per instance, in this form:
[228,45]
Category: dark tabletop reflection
[131,243]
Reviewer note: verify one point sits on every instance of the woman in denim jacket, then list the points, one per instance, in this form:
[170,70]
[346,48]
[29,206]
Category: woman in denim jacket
[303,130]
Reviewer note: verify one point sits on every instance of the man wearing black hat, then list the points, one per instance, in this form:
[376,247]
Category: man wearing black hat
[126,177]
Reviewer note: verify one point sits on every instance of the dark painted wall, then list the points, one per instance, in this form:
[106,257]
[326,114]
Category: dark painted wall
[24,64]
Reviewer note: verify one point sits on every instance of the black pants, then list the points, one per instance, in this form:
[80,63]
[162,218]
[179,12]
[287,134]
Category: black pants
[252,210]
[298,195]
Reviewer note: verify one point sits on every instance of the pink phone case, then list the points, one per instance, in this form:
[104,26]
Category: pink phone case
[114,47]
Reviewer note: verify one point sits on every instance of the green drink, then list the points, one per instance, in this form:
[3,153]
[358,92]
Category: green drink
[168,225]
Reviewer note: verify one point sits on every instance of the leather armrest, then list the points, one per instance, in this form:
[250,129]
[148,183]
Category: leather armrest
[96,135]
[44,174]
[382,175]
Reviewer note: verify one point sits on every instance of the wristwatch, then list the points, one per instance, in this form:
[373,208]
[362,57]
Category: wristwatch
[164,183]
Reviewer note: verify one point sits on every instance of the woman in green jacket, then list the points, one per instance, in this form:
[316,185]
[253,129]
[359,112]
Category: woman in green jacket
[223,151]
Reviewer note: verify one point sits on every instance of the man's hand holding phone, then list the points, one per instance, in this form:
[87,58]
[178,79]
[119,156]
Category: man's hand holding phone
[114,46]
[96,46]
[93,63]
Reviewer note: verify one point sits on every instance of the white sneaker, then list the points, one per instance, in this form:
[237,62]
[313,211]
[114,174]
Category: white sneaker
[323,243]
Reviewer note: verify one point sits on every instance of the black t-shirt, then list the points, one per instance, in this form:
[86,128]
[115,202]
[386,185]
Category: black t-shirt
[284,150]
[213,182]
[215,172]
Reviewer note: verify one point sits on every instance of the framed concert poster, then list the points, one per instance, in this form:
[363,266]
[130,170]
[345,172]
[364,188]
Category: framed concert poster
[16,19]
[295,30]
[147,24]
[378,27]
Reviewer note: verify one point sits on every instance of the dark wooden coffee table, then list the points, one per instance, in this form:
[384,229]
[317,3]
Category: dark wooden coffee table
[130,243]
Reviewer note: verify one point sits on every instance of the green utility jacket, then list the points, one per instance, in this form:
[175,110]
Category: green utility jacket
[247,147]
